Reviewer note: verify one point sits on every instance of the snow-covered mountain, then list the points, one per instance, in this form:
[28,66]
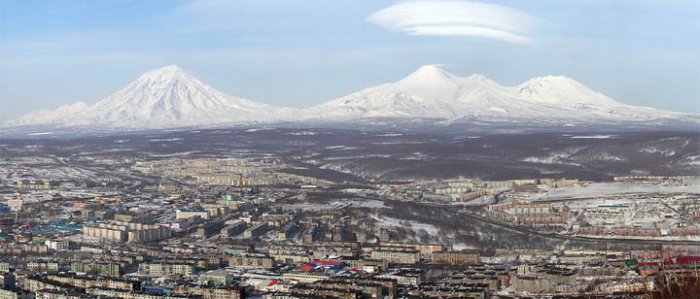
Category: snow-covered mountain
[168,97]
[165,97]
[432,92]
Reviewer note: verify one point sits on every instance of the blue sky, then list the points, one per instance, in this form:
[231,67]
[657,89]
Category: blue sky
[303,52]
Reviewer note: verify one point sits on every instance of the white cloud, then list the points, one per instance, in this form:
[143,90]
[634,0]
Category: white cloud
[457,18]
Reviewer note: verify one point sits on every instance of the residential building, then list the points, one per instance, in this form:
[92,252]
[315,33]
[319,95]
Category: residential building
[167,269]
[455,258]
[396,256]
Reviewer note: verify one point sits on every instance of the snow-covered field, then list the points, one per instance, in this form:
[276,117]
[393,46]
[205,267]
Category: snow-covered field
[363,203]
[590,136]
[385,221]
[600,189]
[353,202]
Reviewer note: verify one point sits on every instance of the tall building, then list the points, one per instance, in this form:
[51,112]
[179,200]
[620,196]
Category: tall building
[15,204]
[256,230]
[118,231]
[4,267]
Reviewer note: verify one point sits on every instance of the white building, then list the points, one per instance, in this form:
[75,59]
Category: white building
[185,214]
[57,245]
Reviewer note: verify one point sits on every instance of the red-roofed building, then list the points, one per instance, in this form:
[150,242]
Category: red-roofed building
[307,268]
[683,260]
[327,263]
[648,268]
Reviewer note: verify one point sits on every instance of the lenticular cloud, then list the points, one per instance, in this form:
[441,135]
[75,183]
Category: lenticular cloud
[456,18]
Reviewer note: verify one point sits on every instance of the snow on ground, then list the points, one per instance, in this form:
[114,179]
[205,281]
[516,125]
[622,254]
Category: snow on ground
[40,133]
[47,195]
[478,201]
[363,203]
[417,227]
[390,135]
[341,147]
[461,246]
[302,133]
[692,160]
[599,189]
[591,136]
[253,130]
[656,150]
[417,156]
[354,202]
[166,139]
[608,157]
[667,238]
[556,157]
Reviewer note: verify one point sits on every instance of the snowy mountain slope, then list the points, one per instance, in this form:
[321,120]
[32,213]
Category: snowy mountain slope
[55,116]
[169,97]
[432,92]
[166,97]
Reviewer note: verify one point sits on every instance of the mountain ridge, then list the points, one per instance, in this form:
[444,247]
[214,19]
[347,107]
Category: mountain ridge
[170,97]
[432,92]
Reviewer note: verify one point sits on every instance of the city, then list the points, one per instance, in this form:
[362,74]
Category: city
[111,224]
[349,149]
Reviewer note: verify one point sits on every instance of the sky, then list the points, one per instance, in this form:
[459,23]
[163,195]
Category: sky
[299,53]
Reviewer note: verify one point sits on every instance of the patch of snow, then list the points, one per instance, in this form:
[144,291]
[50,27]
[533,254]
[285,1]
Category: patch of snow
[656,150]
[340,147]
[601,189]
[303,133]
[40,133]
[591,136]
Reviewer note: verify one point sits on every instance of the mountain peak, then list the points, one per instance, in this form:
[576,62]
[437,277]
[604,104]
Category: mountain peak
[166,73]
[563,90]
[556,84]
[430,72]
[170,68]
[169,96]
